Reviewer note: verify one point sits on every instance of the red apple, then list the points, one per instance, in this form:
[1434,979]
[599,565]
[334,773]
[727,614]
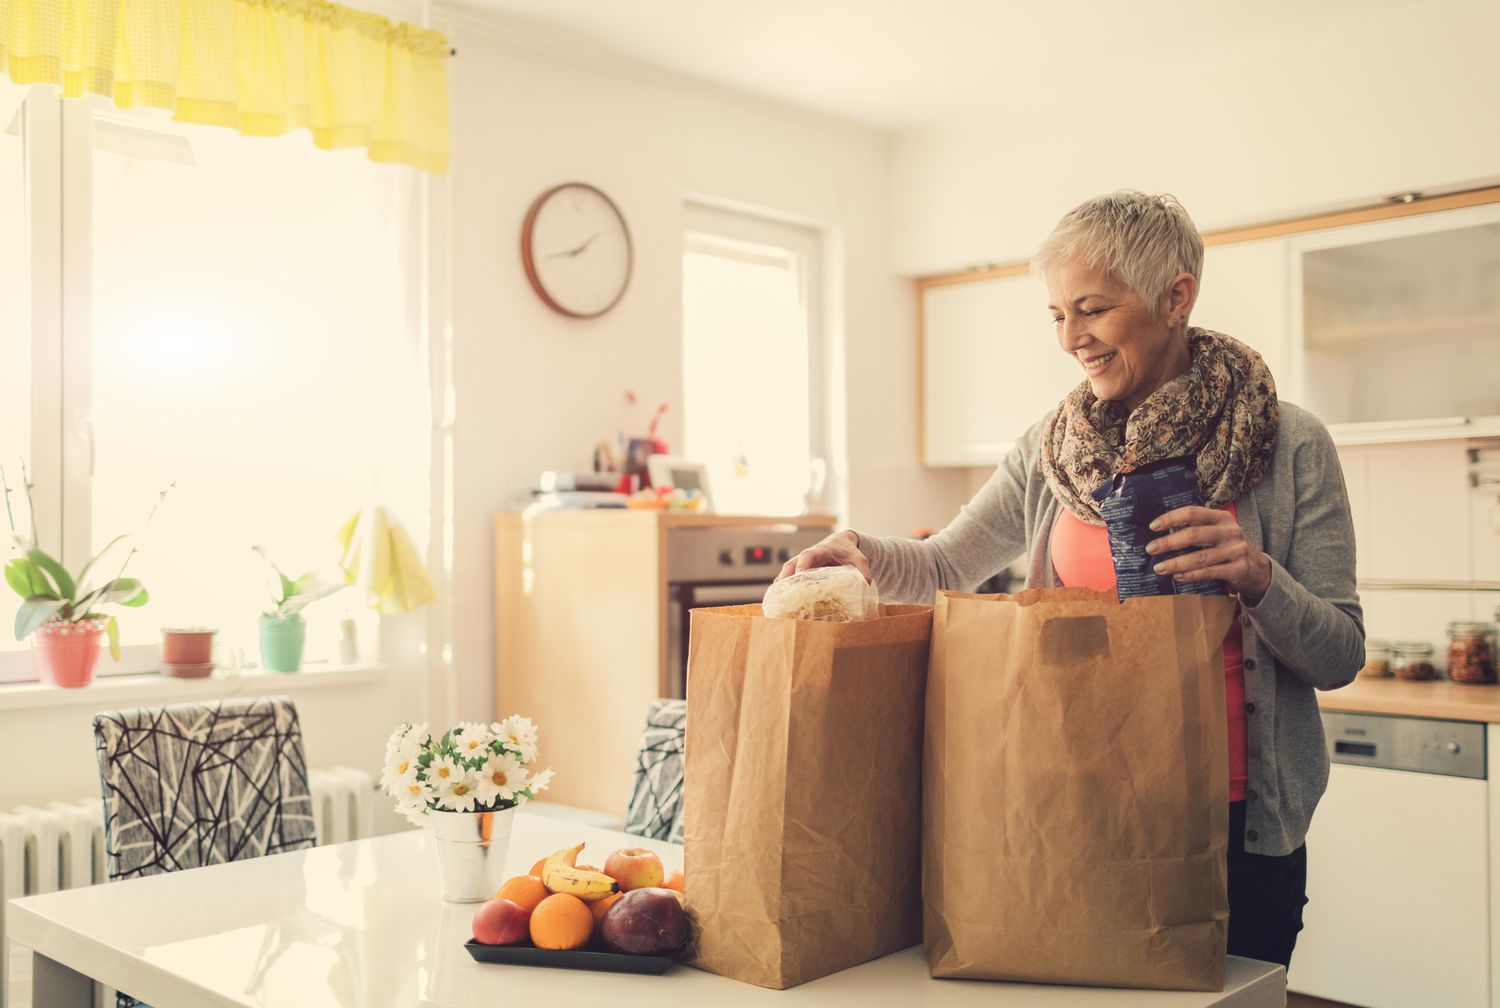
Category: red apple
[502,922]
[634,868]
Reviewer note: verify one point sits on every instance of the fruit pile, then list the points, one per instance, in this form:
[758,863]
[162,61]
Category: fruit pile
[627,907]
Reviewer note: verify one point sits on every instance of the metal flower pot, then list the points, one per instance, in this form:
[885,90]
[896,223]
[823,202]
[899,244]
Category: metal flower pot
[471,849]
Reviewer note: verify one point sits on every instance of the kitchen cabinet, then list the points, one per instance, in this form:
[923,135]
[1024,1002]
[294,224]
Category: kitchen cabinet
[1394,323]
[991,367]
[1244,294]
[590,610]
[1382,328]
[1417,505]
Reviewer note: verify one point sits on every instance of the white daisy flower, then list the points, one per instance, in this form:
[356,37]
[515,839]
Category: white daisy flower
[442,772]
[539,783]
[519,733]
[412,792]
[407,740]
[458,795]
[500,778]
[472,739]
[400,770]
[415,814]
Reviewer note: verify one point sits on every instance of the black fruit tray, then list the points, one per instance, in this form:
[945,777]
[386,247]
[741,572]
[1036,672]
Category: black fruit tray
[527,955]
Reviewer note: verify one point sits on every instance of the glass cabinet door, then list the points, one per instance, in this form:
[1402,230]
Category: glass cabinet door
[1399,322]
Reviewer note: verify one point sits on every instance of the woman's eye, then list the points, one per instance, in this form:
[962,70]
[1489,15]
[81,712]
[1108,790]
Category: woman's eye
[1094,312]
[1057,320]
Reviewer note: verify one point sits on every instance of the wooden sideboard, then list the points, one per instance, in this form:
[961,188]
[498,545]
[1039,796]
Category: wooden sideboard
[581,647]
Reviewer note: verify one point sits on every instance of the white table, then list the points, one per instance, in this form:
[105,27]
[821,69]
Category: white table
[363,924]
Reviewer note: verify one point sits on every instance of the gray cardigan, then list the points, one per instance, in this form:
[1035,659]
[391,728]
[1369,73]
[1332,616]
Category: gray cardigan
[1307,632]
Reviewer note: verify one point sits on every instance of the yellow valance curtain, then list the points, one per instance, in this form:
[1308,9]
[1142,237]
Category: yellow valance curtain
[263,67]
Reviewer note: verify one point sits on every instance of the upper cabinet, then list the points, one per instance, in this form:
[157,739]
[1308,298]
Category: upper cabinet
[1243,294]
[991,368]
[1396,325]
[1386,331]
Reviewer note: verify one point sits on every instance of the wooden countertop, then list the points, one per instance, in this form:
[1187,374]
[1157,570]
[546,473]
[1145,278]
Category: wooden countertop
[1437,698]
[665,518]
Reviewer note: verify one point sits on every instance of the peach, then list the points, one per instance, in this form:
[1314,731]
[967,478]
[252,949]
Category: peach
[502,922]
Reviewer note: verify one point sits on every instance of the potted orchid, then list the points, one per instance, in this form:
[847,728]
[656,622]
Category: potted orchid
[63,609]
[467,783]
[283,629]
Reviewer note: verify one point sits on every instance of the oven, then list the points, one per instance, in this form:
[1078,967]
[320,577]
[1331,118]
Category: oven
[721,565]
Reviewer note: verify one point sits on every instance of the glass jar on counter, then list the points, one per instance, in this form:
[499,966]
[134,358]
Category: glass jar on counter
[1377,660]
[1412,660]
[1471,654]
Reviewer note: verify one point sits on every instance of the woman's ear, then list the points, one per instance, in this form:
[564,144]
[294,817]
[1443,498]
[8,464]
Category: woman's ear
[1182,292]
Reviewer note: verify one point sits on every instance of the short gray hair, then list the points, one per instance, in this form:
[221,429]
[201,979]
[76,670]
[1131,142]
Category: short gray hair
[1142,241]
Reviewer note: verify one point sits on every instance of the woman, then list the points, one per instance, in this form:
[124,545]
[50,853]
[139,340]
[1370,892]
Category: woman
[1122,275]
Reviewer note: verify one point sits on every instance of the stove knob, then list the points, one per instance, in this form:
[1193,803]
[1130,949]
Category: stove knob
[726,558]
[783,555]
[1453,748]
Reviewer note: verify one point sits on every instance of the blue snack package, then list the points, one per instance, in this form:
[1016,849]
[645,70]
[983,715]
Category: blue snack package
[1128,504]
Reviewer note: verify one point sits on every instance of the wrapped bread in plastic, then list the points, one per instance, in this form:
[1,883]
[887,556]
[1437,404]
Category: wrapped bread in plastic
[826,594]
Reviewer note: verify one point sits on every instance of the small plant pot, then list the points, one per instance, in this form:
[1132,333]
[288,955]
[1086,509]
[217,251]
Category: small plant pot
[281,643]
[187,647]
[67,652]
[202,671]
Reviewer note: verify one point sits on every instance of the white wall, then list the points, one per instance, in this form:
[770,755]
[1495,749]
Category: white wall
[1395,98]
[535,390]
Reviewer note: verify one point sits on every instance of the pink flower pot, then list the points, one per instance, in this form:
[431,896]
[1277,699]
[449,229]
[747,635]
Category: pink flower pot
[67,652]
[187,647]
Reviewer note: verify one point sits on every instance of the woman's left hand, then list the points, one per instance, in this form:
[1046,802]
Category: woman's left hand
[1218,550]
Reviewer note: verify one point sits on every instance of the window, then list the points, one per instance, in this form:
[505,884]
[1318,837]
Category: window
[240,318]
[15,306]
[752,361]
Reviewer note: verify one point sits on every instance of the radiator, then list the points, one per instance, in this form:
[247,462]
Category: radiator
[61,846]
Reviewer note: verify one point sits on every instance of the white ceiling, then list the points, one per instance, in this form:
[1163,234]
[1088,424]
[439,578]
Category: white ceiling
[900,64]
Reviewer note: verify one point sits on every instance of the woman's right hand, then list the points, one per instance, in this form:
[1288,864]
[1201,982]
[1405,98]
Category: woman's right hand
[839,550]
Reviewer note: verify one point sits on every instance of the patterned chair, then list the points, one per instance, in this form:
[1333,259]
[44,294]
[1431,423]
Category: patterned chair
[196,784]
[656,799]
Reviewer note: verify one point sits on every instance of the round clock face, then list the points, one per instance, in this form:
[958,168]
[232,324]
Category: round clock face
[576,249]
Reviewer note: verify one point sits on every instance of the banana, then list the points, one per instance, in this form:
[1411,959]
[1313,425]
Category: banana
[560,875]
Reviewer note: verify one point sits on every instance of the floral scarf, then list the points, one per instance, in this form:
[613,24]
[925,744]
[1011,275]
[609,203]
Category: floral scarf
[1222,409]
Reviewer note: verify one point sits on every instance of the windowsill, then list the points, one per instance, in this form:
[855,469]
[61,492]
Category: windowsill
[119,691]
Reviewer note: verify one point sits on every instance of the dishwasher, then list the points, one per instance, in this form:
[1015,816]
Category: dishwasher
[1398,867]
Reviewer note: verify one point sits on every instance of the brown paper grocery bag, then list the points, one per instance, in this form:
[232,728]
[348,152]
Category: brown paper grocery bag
[803,791]
[1076,789]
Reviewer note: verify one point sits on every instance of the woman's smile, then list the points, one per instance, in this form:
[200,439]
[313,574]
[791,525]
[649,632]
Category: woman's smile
[1095,365]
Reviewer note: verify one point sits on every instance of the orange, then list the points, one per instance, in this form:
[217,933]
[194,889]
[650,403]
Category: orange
[587,867]
[600,907]
[561,921]
[536,869]
[525,890]
[675,881]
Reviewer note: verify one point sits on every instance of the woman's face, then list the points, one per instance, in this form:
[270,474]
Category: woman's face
[1124,351]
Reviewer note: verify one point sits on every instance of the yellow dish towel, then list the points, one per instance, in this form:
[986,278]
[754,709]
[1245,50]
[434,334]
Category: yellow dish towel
[380,558]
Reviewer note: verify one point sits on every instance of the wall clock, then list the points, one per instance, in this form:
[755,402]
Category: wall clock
[576,249]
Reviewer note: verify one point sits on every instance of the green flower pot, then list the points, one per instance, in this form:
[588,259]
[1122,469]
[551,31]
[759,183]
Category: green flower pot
[281,643]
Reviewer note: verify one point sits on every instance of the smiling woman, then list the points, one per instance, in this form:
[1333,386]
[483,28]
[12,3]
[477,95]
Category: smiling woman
[1122,272]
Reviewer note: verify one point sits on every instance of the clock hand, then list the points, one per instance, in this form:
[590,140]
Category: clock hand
[586,244]
[576,251]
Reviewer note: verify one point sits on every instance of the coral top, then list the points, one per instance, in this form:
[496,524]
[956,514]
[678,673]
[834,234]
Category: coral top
[1081,557]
